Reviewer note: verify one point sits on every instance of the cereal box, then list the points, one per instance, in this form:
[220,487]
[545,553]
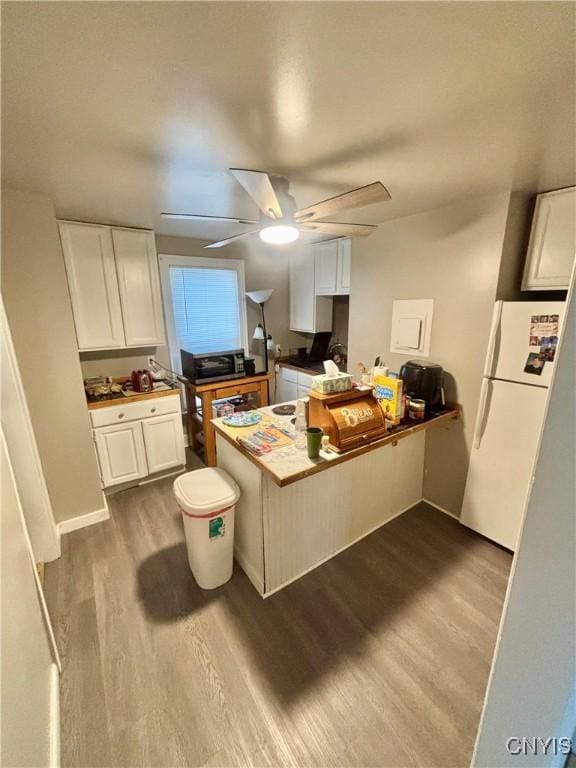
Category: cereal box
[388,392]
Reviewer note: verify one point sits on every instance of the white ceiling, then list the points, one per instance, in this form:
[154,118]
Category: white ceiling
[121,110]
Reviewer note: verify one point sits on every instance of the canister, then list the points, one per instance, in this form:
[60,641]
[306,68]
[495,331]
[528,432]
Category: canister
[417,410]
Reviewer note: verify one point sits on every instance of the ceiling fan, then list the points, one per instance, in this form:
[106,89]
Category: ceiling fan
[281,221]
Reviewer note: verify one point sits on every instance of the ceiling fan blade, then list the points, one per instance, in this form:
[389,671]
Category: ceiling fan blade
[222,243]
[195,217]
[336,228]
[356,198]
[260,189]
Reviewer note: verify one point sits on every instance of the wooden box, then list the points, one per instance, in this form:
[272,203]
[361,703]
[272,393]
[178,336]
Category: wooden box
[348,418]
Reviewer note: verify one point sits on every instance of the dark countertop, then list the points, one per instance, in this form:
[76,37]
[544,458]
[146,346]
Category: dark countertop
[303,365]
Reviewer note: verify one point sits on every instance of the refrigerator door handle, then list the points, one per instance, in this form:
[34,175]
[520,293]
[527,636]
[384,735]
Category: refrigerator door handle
[480,419]
[494,335]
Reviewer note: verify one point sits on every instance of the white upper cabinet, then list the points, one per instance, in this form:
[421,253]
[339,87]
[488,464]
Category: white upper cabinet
[89,259]
[332,261]
[552,244]
[114,286]
[139,285]
[326,262]
[309,313]
[344,266]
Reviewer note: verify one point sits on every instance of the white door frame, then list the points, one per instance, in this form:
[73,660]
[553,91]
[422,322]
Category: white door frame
[24,456]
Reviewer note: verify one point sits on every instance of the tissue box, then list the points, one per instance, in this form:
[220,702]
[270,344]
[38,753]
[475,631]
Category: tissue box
[329,383]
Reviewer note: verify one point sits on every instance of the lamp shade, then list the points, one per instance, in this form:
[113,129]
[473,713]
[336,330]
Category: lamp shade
[260,297]
[258,333]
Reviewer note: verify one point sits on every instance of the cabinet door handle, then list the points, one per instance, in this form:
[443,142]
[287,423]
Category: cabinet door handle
[152,410]
[120,415]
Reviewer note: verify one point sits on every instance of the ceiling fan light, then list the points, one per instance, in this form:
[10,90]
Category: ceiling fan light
[279,234]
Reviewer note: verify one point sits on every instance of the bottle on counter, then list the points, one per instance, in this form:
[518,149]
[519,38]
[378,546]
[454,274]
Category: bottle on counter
[300,425]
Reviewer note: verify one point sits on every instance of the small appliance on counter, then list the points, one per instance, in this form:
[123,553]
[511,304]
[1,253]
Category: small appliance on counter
[318,352]
[101,388]
[142,381]
[212,366]
[339,355]
[423,381]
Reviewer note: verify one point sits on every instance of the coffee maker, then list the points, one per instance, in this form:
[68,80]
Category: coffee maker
[423,381]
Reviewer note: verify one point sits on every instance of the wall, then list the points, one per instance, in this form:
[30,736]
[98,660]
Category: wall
[37,304]
[265,267]
[451,255]
[27,672]
[341,318]
[535,661]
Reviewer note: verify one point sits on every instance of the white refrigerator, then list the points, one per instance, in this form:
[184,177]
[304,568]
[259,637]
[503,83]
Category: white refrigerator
[517,374]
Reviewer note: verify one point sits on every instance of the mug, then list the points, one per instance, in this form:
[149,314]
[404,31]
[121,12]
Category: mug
[313,440]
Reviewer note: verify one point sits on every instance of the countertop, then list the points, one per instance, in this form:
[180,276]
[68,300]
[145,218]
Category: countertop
[290,464]
[124,399]
[304,368]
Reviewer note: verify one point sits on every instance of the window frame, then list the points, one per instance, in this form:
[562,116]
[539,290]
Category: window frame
[166,261]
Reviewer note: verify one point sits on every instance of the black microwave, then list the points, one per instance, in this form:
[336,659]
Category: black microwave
[212,366]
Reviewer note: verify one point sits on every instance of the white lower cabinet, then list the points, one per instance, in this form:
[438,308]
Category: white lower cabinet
[304,384]
[287,390]
[134,440]
[121,453]
[293,384]
[163,442]
[287,385]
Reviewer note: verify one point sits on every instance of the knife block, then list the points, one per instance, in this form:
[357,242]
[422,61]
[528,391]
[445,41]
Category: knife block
[350,418]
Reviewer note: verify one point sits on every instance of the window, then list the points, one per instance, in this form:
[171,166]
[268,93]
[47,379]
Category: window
[204,305]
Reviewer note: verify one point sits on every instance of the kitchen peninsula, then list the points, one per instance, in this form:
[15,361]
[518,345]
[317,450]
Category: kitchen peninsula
[295,513]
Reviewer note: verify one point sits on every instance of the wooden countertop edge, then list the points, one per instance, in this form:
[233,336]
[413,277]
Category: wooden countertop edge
[323,465]
[131,399]
[226,383]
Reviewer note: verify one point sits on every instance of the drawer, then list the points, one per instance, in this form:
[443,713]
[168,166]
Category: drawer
[289,374]
[237,389]
[117,414]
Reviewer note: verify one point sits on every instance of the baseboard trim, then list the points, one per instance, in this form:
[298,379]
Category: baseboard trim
[338,551]
[82,521]
[441,509]
[54,717]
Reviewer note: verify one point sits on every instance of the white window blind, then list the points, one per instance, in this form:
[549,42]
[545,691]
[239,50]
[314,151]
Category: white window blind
[206,306]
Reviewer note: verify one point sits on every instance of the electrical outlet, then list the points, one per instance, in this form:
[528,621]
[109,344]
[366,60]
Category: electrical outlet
[150,360]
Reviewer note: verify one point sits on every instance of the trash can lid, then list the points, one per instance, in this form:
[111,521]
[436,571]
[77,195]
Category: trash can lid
[205,490]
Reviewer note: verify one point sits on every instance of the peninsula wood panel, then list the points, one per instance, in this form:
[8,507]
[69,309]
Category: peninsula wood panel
[248,532]
[311,520]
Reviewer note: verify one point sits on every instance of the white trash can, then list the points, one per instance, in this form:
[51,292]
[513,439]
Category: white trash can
[207,498]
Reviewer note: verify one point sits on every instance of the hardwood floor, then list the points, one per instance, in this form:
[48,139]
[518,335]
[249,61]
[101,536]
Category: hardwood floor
[378,658]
